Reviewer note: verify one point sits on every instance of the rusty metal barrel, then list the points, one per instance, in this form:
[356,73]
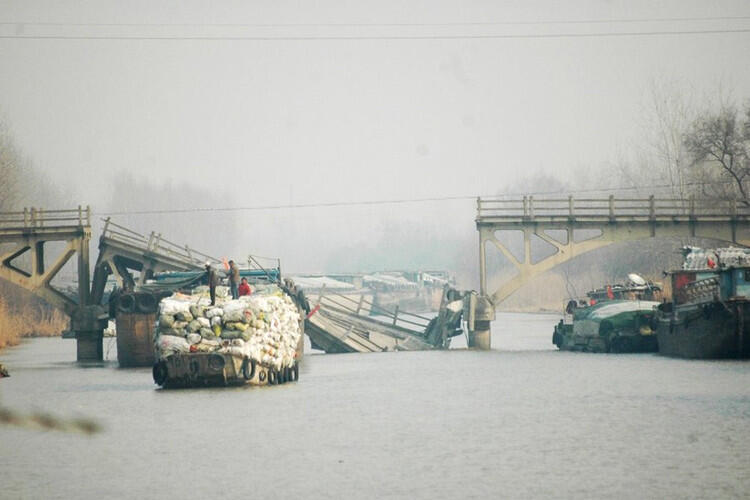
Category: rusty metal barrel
[136,321]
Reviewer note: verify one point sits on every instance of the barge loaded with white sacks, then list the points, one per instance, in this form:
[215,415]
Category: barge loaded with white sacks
[255,339]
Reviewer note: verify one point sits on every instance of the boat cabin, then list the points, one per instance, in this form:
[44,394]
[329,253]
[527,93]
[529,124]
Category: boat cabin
[689,286]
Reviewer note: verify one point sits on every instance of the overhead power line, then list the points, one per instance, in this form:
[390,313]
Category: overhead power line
[378,37]
[287,206]
[381,202]
[386,25]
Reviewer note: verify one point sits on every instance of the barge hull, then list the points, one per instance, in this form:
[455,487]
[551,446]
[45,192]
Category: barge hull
[217,369]
[706,331]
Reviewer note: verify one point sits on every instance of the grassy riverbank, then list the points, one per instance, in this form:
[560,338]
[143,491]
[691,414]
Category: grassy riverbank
[29,321]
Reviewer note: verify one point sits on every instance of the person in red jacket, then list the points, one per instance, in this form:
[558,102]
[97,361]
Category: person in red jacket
[244,288]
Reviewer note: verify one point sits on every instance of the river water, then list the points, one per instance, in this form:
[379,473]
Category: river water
[520,421]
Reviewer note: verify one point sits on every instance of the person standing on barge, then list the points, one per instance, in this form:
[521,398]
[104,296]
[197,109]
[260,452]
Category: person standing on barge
[234,279]
[213,280]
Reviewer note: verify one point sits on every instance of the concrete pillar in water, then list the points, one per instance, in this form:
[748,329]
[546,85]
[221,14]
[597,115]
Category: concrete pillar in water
[481,313]
[88,323]
[480,338]
[89,346]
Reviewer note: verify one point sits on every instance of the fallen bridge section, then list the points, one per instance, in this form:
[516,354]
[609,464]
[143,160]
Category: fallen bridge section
[24,236]
[341,323]
[123,252]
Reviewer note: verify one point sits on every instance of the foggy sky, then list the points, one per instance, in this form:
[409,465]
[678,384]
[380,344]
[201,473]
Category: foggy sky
[318,121]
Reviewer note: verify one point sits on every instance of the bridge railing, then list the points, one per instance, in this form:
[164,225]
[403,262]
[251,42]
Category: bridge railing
[154,243]
[33,217]
[261,262]
[352,306]
[529,208]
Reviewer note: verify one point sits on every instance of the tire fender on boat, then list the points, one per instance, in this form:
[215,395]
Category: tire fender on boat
[126,303]
[248,368]
[145,303]
[160,372]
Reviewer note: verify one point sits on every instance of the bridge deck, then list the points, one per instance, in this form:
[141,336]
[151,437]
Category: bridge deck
[25,234]
[153,246]
[615,219]
[494,211]
[52,224]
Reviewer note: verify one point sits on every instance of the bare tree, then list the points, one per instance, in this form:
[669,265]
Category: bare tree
[657,162]
[721,142]
[9,166]
[21,184]
[668,117]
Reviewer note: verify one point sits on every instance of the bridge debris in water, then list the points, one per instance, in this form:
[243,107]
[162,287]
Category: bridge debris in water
[415,291]
[340,323]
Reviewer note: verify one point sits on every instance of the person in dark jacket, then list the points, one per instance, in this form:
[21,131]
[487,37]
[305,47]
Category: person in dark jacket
[234,279]
[296,293]
[213,280]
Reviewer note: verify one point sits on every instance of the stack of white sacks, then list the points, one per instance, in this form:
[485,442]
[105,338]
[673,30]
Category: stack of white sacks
[696,258]
[263,326]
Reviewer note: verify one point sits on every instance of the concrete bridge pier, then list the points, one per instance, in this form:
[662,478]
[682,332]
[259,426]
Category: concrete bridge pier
[480,314]
[88,324]
[481,337]
[481,309]
[89,346]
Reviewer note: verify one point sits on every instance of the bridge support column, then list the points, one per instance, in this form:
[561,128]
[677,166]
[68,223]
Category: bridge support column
[481,315]
[88,324]
[89,346]
[480,338]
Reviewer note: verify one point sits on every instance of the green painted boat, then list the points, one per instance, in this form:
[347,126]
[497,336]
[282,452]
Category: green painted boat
[611,326]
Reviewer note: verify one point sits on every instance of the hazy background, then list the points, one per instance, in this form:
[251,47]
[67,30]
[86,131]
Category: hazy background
[144,124]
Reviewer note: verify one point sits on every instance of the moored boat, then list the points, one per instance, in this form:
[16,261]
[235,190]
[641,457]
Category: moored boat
[616,318]
[709,315]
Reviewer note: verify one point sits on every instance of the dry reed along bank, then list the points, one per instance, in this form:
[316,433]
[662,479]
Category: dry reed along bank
[22,316]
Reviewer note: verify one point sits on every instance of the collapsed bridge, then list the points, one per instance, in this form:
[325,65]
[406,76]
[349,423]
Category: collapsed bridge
[336,325]
[555,223]
[341,323]
[28,234]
